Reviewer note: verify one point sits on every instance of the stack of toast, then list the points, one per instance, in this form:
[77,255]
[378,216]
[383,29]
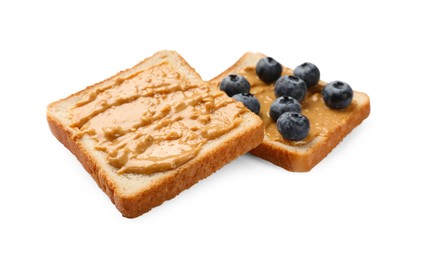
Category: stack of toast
[152,131]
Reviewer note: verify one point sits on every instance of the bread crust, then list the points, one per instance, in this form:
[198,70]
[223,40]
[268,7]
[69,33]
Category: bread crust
[293,158]
[167,188]
[169,184]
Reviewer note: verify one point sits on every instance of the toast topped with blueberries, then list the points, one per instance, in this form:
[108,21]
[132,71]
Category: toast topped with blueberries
[304,117]
[152,131]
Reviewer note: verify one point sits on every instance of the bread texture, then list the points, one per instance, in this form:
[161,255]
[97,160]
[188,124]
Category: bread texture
[136,193]
[301,157]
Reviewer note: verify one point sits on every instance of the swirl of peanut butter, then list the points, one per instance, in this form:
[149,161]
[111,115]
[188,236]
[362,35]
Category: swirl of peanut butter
[155,120]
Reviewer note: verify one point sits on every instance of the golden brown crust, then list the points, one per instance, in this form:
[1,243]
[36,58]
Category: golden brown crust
[77,149]
[300,160]
[190,173]
[306,160]
[187,175]
[171,183]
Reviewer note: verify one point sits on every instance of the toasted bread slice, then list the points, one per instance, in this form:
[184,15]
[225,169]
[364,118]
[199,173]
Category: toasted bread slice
[328,126]
[152,131]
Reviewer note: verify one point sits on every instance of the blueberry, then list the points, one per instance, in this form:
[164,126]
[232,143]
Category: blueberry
[234,84]
[337,94]
[293,126]
[249,100]
[290,86]
[284,104]
[268,69]
[308,72]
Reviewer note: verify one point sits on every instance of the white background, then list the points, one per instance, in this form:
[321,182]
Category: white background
[362,202]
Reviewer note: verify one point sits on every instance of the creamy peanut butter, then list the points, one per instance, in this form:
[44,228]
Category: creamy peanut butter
[322,119]
[154,120]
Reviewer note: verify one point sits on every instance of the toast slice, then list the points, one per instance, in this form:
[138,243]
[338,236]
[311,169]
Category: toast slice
[152,131]
[328,126]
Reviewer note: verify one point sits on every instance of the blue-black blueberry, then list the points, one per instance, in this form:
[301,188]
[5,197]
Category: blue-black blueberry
[337,94]
[284,104]
[249,100]
[290,86]
[268,69]
[308,72]
[293,126]
[234,84]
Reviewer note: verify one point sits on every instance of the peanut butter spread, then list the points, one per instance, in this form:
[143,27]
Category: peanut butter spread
[154,120]
[322,119]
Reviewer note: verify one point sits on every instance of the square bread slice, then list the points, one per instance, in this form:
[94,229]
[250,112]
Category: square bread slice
[328,126]
[152,131]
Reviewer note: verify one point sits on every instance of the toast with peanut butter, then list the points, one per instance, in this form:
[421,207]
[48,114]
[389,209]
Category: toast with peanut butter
[152,131]
[328,126]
